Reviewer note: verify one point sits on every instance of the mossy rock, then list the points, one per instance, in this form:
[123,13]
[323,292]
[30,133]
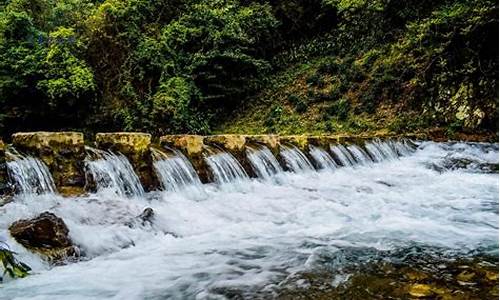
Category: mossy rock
[62,152]
[124,142]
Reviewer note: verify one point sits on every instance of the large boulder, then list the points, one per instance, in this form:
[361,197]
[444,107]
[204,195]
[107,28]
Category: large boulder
[193,147]
[136,147]
[62,152]
[46,234]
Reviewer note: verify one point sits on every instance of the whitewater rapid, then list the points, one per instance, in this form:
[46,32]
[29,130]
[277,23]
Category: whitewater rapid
[262,231]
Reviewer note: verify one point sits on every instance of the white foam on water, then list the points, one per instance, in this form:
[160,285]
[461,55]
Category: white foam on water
[249,238]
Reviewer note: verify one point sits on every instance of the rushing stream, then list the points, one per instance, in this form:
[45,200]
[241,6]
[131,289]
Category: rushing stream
[246,242]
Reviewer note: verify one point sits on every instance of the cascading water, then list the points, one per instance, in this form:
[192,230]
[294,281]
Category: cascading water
[112,172]
[322,158]
[380,151]
[295,160]
[175,171]
[343,155]
[273,236]
[263,162]
[29,174]
[359,155]
[404,147]
[225,168]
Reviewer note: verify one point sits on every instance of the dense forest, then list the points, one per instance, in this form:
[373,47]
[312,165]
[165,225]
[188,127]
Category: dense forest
[284,66]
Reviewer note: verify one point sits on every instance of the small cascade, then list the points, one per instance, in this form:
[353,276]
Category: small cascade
[263,162]
[322,158]
[111,171]
[295,160]
[29,174]
[225,168]
[359,154]
[404,147]
[343,155]
[175,171]
[380,151]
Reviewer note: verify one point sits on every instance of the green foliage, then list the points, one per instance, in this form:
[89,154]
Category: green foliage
[66,78]
[274,116]
[339,109]
[299,103]
[186,65]
[12,266]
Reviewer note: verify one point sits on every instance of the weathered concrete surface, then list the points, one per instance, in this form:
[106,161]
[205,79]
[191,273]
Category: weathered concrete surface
[190,145]
[230,142]
[193,147]
[300,141]
[62,152]
[270,141]
[135,146]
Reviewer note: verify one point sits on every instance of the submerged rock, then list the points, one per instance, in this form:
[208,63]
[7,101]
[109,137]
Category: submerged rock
[46,234]
[468,164]
[145,218]
[147,215]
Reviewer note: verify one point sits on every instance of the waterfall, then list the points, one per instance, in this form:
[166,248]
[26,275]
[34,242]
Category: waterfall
[225,168]
[322,158]
[175,172]
[404,147]
[380,151]
[29,174]
[343,155]
[295,160]
[359,154]
[263,162]
[113,172]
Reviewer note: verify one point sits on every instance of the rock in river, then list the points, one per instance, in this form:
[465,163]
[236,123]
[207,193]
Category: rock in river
[46,234]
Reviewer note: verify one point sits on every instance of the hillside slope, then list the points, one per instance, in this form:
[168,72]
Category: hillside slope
[192,66]
[437,74]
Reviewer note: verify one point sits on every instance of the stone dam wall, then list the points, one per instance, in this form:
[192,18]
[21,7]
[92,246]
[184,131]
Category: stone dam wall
[64,153]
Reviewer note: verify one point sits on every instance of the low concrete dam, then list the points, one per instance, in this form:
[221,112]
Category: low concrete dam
[132,163]
[131,216]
